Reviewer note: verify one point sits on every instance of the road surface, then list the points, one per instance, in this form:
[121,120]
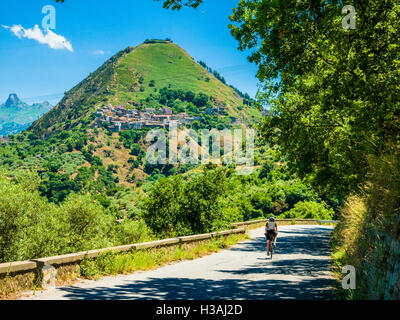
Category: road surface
[299,270]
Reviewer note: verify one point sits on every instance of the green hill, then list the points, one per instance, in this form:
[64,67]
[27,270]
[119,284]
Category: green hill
[134,77]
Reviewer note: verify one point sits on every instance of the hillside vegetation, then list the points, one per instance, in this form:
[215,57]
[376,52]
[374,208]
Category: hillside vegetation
[369,232]
[155,74]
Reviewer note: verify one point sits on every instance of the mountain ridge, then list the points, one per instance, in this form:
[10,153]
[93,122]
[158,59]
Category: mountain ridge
[13,100]
[16,115]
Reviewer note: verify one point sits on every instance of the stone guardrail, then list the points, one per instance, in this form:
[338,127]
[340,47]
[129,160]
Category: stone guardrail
[47,267]
[328,221]
[279,221]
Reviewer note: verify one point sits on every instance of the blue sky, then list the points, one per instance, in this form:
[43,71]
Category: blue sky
[97,29]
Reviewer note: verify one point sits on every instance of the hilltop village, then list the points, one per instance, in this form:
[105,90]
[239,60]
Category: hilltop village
[119,118]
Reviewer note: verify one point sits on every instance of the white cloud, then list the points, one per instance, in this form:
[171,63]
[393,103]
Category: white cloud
[99,52]
[50,38]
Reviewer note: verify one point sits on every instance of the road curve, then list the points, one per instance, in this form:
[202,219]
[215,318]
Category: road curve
[299,270]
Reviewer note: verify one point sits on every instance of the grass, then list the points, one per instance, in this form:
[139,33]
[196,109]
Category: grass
[165,64]
[4,287]
[168,64]
[110,263]
[347,241]
[11,285]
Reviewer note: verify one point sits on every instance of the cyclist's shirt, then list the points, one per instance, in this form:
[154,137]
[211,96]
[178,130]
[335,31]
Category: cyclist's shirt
[271,226]
[271,231]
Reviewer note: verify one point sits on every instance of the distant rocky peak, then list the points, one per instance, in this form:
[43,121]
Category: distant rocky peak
[13,101]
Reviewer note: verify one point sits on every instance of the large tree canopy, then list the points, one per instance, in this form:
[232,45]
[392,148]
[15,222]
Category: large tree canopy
[334,92]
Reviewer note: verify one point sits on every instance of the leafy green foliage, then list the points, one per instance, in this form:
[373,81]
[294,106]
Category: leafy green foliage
[177,207]
[332,91]
[31,227]
[309,210]
[57,187]
[84,224]
[210,200]
[178,4]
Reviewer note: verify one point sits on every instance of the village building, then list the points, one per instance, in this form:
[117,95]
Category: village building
[120,118]
[165,111]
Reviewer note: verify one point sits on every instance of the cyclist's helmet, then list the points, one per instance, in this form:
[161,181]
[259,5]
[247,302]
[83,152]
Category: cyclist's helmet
[272,219]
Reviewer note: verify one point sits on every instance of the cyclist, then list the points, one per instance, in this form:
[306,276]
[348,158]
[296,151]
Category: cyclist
[271,233]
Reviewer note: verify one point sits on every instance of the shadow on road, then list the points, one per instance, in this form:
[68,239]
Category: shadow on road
[303,267]
[314,243]
[201,289]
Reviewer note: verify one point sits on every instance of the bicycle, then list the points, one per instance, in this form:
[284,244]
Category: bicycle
[271,245]
[271,248]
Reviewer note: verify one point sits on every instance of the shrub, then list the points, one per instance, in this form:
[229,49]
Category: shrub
[177,207]
[132,231]
[25,222]
[84,224]
[309,210]
[31,227]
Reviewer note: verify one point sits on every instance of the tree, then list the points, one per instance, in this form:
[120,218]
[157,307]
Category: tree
[189,96]
[332,91]
[175,207]
[23,216]
[200,100]
[178,4]
[84,224]
[196,125]
[57,187]
[201,207]
[309,210]
[31,227]
[136,149]
[174,5]
[162,206]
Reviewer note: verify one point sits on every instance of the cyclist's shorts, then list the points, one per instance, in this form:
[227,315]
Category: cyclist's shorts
[271,234]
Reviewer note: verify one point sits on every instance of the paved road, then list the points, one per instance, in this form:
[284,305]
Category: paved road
[299,270]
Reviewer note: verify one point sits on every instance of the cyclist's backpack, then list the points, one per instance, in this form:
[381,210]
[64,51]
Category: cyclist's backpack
[271,226]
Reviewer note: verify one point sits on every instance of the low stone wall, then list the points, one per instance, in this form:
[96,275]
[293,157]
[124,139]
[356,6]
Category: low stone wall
[16,281]
[51,271]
